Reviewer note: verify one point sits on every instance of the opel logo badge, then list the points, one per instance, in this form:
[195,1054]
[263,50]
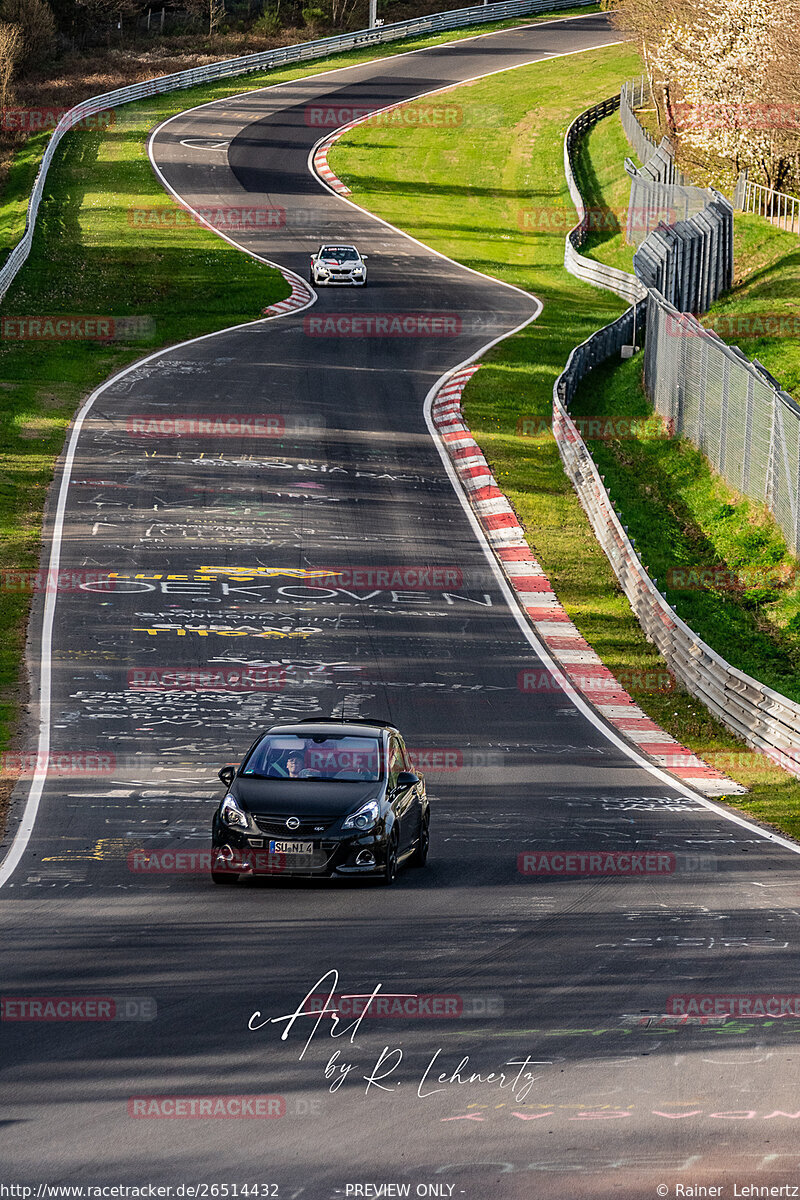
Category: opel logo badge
[293,823]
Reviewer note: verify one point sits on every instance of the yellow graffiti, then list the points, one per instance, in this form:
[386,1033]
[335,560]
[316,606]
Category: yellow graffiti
[104,850]
[263,633]
[243,574]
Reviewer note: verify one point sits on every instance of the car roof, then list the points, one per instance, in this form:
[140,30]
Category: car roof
[352,727]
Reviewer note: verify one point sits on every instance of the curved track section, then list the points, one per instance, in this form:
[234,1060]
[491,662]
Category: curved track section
[304,449]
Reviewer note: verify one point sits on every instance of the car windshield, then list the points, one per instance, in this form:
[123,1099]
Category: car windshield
[343,252]
[291,756]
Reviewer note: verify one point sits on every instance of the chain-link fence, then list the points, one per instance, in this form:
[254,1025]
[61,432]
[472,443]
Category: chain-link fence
[749,429]
[683,234]
[633,94]
[659,194]
[730,407]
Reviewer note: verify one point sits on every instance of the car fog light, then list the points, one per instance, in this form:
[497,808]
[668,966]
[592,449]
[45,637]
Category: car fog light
[366,858]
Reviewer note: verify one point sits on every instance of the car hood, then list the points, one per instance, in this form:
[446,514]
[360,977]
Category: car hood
[340,262]
[303,797]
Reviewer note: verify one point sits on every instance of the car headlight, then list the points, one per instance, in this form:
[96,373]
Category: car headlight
[358,270]
[322,270]
[232,814]
[365,817]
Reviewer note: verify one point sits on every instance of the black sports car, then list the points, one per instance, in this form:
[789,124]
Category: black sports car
[322,798]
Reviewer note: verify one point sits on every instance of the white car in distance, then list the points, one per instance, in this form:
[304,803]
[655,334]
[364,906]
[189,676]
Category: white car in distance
[338,264]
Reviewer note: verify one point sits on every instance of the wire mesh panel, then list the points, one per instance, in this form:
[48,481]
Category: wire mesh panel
[728,406]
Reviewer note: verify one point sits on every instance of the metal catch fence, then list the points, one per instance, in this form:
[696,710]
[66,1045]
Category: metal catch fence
[730,407]
[735,404]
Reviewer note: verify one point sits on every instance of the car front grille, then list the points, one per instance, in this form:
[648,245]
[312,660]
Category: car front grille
[275,825]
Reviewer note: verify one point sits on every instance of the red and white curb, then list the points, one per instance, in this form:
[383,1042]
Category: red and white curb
[320,161]
[301,296]
[573,654]
[319,154]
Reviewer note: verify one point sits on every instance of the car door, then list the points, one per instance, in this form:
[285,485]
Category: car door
[414,811]
[401,798]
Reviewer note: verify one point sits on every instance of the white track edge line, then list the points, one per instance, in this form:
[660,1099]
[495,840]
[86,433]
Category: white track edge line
[27,821]
[25,828]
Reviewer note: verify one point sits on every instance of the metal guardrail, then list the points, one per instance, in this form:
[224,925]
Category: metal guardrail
[283,56]
[780,208]
[588,269]
[763,718]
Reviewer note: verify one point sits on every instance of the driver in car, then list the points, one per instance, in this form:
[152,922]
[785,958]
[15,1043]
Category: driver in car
[294,765]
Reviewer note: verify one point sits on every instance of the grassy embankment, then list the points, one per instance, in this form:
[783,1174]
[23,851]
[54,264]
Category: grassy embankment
[468,198]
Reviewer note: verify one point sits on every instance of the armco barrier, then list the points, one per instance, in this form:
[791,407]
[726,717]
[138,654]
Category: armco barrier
[761,717]
[597,273]
[283,56]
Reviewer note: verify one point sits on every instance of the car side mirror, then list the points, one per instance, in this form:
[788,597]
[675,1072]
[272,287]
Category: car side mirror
[364,257]
[313,256]
[227,775]
[407,779]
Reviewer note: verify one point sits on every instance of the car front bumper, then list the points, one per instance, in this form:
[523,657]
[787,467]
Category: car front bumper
[249,855]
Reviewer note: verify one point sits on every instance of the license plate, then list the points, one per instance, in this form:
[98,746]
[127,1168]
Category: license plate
[291,847]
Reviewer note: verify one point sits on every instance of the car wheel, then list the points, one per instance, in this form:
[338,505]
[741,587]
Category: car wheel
[420,855]
[223,877]
[389,873]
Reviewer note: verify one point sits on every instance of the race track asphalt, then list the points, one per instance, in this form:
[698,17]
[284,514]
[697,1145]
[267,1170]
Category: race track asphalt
[212,539]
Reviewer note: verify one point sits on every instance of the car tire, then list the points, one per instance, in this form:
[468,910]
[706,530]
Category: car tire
[224,877]
[389,872]
[420,856]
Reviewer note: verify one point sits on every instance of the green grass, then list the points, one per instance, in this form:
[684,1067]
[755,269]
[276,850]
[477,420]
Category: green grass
[467,198]
[683,517]
[88,258]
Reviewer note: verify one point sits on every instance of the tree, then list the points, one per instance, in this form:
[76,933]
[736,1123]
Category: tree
[725,98]
[723,76]
[645,22]
[211,12]
[37,27]
[10,50]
